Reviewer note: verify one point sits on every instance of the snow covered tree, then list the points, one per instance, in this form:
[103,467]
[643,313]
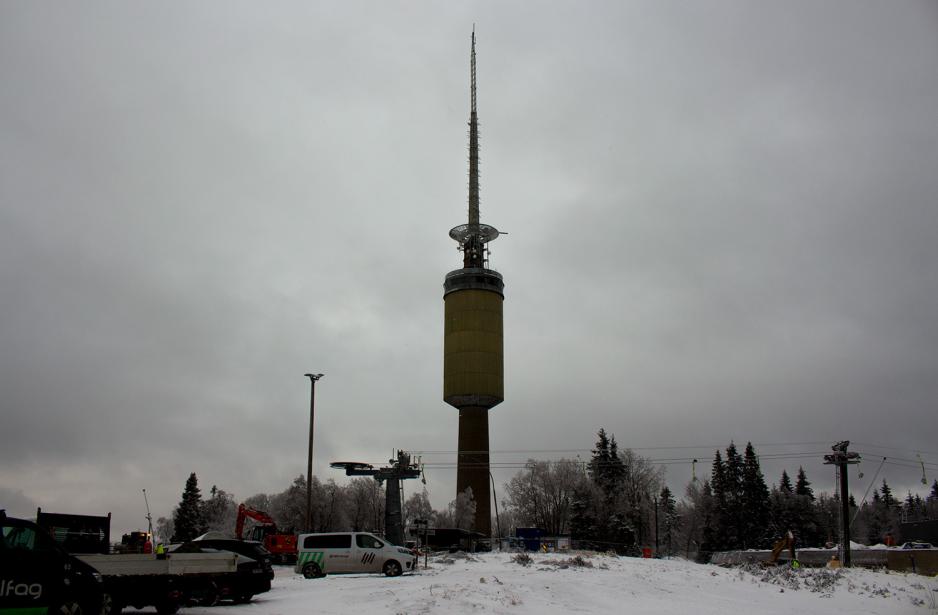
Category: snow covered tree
[931,502]
[330,507]
[288,508]
[463,509]
[417,506]
[543,494]
[366,505]
[163,531]
[697,511]
[188,521]
[220,512]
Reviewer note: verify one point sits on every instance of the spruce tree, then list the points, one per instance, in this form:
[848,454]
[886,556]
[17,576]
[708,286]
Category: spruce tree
[755,501]
[785,483]
[733,486]
[616,470]
[709,541]
[805,520]
[888,498]
[876,519]
[188,521]
[803,486]
[599,463]
[668,518]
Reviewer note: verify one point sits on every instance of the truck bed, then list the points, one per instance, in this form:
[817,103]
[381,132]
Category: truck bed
[134,564]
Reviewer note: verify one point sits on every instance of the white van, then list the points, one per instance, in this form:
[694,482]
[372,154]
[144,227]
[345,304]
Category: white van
[350,552]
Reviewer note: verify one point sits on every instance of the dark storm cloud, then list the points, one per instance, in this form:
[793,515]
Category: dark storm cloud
[721,225]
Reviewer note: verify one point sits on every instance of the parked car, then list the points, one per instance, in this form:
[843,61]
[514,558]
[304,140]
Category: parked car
[38,576]
[248,548]
[917,545]
[351,552]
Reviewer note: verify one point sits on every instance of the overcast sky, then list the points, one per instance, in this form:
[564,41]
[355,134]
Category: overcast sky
[722,224]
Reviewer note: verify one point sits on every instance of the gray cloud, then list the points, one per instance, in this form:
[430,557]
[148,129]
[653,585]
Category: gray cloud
[721,225]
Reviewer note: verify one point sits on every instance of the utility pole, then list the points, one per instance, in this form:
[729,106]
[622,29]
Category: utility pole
[309,463]
[841,458]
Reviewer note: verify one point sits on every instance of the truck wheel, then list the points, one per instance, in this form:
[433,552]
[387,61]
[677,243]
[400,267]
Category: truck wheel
[209,595]
[312,571]
[392,568]
[68,607]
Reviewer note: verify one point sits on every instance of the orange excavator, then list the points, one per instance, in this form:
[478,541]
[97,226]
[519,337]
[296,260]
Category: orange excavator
[281,546]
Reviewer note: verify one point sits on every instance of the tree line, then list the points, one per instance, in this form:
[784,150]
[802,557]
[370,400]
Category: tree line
[618,501]
[615,501]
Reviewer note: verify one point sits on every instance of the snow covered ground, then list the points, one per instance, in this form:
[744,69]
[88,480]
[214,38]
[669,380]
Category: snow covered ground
[554,583]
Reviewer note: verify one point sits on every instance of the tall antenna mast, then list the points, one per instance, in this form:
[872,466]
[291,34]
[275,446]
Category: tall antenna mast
[473,236]
[473,142]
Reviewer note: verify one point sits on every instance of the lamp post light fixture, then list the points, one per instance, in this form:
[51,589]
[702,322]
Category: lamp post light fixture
[309,463]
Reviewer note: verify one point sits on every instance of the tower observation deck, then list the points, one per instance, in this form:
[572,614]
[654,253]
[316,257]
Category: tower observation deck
[473,356]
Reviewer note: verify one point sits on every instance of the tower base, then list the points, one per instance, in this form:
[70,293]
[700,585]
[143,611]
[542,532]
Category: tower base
[472,464]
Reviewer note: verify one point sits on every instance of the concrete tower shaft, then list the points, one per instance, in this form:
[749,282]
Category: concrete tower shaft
[473,348]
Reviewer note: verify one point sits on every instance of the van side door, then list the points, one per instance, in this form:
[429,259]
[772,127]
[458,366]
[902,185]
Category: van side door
[337,556]
[369,552]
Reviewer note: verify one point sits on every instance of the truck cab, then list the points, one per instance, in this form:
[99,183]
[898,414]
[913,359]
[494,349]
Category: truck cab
[37,576]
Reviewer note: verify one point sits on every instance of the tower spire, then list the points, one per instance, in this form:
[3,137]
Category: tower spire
[474,236]
[473,142]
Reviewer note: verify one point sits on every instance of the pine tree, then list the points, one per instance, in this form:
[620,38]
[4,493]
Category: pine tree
[188,521]
[708,507]
[934,491]
[888,498]
[669,518]
[615,472]
[733,488]
[599,463]
[785,483]
[803,486]
[755,501]
[716,536]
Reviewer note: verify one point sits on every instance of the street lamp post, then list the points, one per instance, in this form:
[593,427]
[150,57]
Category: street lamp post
[309,463]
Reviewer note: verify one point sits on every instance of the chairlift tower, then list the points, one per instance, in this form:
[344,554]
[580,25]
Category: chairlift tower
[400,469]
[473,355]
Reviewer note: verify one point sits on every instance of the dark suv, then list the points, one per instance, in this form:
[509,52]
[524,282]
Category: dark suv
[36,574]
[248,548]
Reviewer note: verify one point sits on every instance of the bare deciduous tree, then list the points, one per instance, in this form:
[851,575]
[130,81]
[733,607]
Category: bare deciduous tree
[543,493]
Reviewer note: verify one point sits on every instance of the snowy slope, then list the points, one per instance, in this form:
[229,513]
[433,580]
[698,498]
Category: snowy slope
[493,583]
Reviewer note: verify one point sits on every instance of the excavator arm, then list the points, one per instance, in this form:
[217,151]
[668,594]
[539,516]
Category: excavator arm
[244,512]
[785,542]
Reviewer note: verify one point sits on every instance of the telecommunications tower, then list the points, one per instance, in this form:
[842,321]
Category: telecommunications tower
[473,363]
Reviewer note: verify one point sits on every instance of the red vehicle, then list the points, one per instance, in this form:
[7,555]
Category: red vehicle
[281,546]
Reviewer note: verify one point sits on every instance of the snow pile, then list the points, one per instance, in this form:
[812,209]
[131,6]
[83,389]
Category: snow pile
[498,583]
